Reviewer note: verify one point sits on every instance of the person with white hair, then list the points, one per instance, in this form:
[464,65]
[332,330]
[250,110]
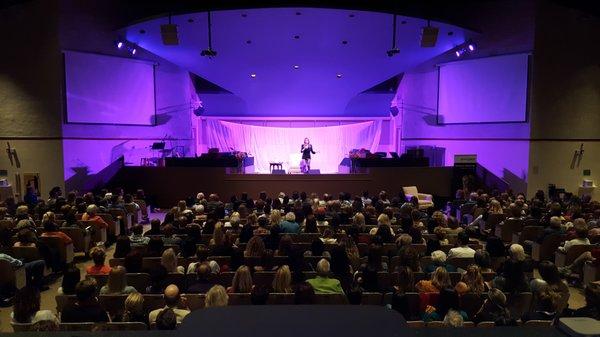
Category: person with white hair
[323,284]
[91,215]
[438,259]
[453,319]
[289,225]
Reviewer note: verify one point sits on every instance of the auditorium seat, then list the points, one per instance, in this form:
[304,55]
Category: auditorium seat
[460,262]
[239,299]
[425,200]
[113,304]
[415,324]
[263,278]
[519,303]
[124,326]
[530,233]
[27,254]
[591,272]
[77,326]
[470,303]
[369,298]
[507,228]
[63,300]
[177,279]
[140,281]
[81,239]
[11,277]
[546,250]
[331,299]
[101,280]
[538,324]
[195,301]
[486,324]
[280,299]
[153,302]
[98,234]
[55,243]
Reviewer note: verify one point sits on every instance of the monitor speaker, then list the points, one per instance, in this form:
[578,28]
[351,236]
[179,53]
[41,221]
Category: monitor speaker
[169,35]
[278,172]
[429,36]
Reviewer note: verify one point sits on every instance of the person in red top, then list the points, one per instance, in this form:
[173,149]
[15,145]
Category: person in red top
[90,215]
[99,268]
[51,229]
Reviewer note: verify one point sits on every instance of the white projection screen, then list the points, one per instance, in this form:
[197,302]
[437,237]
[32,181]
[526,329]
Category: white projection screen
[104,89]
[485,90]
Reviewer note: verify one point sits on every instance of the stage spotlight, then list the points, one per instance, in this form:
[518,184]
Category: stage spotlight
[296,66]
[338,75]
[458,53]
[120,44]
[253,75]
[471,47]
[133,51]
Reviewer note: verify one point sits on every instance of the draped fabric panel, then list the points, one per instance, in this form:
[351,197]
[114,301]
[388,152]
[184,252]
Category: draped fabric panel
[274,144]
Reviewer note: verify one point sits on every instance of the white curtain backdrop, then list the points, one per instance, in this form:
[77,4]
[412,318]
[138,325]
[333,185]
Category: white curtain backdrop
[275,144]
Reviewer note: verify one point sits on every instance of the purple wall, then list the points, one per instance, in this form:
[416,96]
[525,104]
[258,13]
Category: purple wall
[90,148]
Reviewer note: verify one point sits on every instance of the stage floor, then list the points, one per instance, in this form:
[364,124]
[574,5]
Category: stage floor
[171,184]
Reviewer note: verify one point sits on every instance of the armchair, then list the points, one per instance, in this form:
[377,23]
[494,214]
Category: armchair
[425,200]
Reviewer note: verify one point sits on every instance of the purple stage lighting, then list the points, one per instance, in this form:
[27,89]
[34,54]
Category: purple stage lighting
[133,51]
[119,45]
[253,75]
[471,47]
[458,53]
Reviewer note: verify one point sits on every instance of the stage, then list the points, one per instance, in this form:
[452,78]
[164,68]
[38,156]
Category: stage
[171,184]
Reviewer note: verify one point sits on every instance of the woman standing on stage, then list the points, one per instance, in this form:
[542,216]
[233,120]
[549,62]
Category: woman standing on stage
[306,150]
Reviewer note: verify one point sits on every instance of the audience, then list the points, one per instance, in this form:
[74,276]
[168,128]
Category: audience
[341,226]
[86,308]
[174,302]
[323,284]
[117,283]
[98,255]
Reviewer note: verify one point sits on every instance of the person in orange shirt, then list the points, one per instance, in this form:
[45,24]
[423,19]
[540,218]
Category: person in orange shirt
[99,268]
[90,215]
[51,229]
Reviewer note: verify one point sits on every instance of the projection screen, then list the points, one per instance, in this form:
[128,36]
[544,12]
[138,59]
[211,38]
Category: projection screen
[104,89]
[485,90]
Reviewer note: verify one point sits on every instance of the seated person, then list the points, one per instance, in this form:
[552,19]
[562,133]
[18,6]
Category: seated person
[174,301]
[546,306]
[289,225]
[51,229]
[494,310]
[242,281]
[86,308]
[137,238]
[169,236]
[463,250]
[91,215]
[170,261]
[438,259]
[323,284]
[98,268]
[581,231]
[71,277]
[203,281]
[154,228]
[216,297]
[134,309]
[117,283]
[34,270]
[440,279]
[26,306]
[166,320]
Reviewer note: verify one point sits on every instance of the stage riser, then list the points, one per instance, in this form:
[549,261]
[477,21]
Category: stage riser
[170,184]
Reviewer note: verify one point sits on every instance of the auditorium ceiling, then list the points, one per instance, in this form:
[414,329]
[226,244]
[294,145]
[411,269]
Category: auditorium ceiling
[296,61]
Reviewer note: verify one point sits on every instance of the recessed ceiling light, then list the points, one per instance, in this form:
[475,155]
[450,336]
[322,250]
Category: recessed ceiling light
[190,20]
[338,75]
[344,42]
[248,41]
[296,66]
[403,22]
[298,13]
[142,31]
[351,15]
[296,37]
[450,33]
[253,75]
